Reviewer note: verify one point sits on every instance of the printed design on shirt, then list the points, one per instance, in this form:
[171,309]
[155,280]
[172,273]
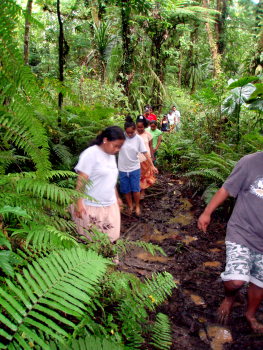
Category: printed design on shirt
[257,187]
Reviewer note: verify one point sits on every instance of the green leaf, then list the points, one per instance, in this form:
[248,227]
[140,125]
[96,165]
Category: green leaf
[4,241]
[242,82]
[8,259]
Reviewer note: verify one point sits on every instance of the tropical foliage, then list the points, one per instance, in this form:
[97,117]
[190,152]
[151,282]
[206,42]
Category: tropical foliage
[84,66]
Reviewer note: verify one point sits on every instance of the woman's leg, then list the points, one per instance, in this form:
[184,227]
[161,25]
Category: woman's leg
[128,198]
[137,197]
[135,187]
[125,188]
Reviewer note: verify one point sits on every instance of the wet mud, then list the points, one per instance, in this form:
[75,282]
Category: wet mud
[195,259]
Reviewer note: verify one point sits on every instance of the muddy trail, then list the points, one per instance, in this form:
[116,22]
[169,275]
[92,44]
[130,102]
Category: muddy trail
[169,214]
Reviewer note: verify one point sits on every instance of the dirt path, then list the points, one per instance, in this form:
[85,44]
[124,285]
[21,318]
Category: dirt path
[195,259]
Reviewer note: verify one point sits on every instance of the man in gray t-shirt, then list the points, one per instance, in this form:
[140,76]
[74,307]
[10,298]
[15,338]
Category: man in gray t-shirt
[244,238]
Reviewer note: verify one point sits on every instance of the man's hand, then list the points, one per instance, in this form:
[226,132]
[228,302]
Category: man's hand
[203,221]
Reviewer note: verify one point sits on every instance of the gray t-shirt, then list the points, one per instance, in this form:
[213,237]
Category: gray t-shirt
[128,156]
[246,183]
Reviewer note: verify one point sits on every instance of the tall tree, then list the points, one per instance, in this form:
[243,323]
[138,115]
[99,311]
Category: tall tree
[160,27]
[127,8]
[62,53]
[222,7]
[257,61]
[213,46]
[27,31]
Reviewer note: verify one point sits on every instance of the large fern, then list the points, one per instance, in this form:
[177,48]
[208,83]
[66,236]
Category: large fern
[62,283]
[137,301]
[20,95]
[89,343]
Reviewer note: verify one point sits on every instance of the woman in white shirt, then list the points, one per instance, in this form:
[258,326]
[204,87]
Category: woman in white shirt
[129,166]
[101,205]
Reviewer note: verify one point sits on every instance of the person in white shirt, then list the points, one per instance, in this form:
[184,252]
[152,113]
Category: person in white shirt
[97,177]
[174,118]
[129,166]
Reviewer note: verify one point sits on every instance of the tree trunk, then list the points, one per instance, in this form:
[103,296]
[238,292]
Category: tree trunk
[127,47]
[256,66]
[220,25]
[213,47]
[27,31]
[180,69]
[63,50]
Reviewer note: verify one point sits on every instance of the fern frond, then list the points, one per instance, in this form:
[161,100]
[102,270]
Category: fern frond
[41,189]
[8,260]
[7,210]
[44,237]
[208,173]
[161,333]
[124,246]
[145,296]
[63,153]
[63,282]
[89,343]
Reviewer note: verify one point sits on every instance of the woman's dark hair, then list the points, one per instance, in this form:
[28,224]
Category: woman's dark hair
[142,119]
[112,133]
[129,123]
[153,122]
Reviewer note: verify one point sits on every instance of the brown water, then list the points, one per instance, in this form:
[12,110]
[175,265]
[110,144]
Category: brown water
[183,219]
[215,250]
[145,256]
[194,297]
[217,336]
[152,234]
[188,239]
[183,216]
[212,264]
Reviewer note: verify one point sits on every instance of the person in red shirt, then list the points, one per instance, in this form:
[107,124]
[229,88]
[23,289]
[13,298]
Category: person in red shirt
[148,113]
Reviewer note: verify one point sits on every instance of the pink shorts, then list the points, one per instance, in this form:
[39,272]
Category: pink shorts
[106,219]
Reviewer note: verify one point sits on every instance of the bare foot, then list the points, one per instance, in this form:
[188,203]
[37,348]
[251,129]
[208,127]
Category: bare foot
[254,324]
[138,211]
[130,210]
[224,310]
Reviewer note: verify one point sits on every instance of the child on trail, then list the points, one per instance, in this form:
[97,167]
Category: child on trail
[244,239]
[157,137]
[147,168]
[97,163]
[148,113]
[129,166]
[165,126]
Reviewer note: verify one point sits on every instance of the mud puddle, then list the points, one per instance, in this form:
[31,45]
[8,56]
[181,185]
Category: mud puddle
[169,215]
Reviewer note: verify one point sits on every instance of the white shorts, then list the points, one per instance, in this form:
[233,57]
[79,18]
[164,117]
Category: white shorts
[243,264]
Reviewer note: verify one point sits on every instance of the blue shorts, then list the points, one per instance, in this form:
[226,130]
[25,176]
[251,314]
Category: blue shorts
[130,182]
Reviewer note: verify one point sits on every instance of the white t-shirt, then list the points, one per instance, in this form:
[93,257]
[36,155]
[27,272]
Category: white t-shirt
[177,117]
[128,156]
[101,168]
[174,117]
[171,118]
